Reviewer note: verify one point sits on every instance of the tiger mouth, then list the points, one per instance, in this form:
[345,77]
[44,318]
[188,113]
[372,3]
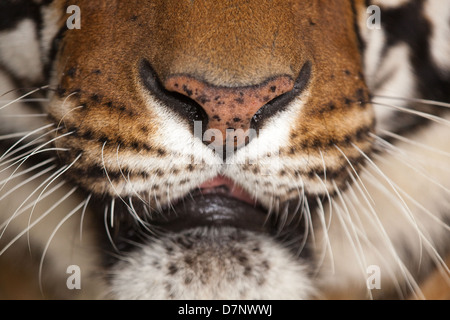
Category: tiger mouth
[221,203]
[215,203]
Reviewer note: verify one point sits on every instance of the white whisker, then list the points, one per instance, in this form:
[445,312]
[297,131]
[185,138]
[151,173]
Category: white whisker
[26,181]
[372,214]
[13,135]
[23,96]
[422,101]
[47,245]
[113,203]
[58,174]
[20,159]
[23,172]
[39,219]
[83,214]
[405,207]
[425,240]
[30,205]
[353,240]
[355,172]
[362,232]
[13,216]
[327,245]
[415,143]
[35,151]
[107,230]
[25,137]
[131,210]
[27,100]
[415,112]
[31,115]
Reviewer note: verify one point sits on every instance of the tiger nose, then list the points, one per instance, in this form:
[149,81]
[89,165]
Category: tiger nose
[230,109]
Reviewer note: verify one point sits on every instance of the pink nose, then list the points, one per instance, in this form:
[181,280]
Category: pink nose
[229,108]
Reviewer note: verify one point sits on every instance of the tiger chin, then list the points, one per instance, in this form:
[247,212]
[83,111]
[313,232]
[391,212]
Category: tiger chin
[225,149]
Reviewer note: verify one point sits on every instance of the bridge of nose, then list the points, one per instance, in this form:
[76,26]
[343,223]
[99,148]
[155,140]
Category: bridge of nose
[229,107]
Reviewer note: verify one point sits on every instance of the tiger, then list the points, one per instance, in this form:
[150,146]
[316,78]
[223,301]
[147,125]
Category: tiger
[239,149]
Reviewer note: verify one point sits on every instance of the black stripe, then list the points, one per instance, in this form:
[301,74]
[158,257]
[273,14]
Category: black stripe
[54,49]
[407,24]
[14,11]
[361,43]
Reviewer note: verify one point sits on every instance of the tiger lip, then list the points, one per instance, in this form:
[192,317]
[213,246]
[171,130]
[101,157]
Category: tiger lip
[218,202]
[223,185]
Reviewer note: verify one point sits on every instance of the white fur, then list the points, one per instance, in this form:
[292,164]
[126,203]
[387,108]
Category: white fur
[215,273]
[391,4]
[438,16]
[400,83]
[20,51]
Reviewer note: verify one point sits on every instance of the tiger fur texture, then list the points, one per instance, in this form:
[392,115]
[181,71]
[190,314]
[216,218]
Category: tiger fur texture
[241,149]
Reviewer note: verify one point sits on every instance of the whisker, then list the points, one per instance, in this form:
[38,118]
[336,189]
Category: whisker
[22,155]
[373,216]
[113,202]
[47,245]
[58,174]
[354,241]
[13,135]
[133,212]
[426,241]
[27,100]
[389,181]
[391,149]
[39,219]
[282,218]
[415,112]
[327,245]
[362,233]
[30,115]
[355,172]
[26,181]
[23,209]
[23,96]
[127,180]
[108,233]
[25,137]
[422,101]
[415,143]
[20,159]
[40,147]
[13,216]
[82,216]
[309,222]
[23,172]
[130,209]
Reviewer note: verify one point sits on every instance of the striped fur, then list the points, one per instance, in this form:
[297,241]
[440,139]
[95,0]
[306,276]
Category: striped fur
[359,158]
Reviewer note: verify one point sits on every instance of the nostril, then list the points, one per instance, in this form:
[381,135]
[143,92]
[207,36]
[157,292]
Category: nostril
[230,110]
[281,102]
[184,106]
[234,114]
